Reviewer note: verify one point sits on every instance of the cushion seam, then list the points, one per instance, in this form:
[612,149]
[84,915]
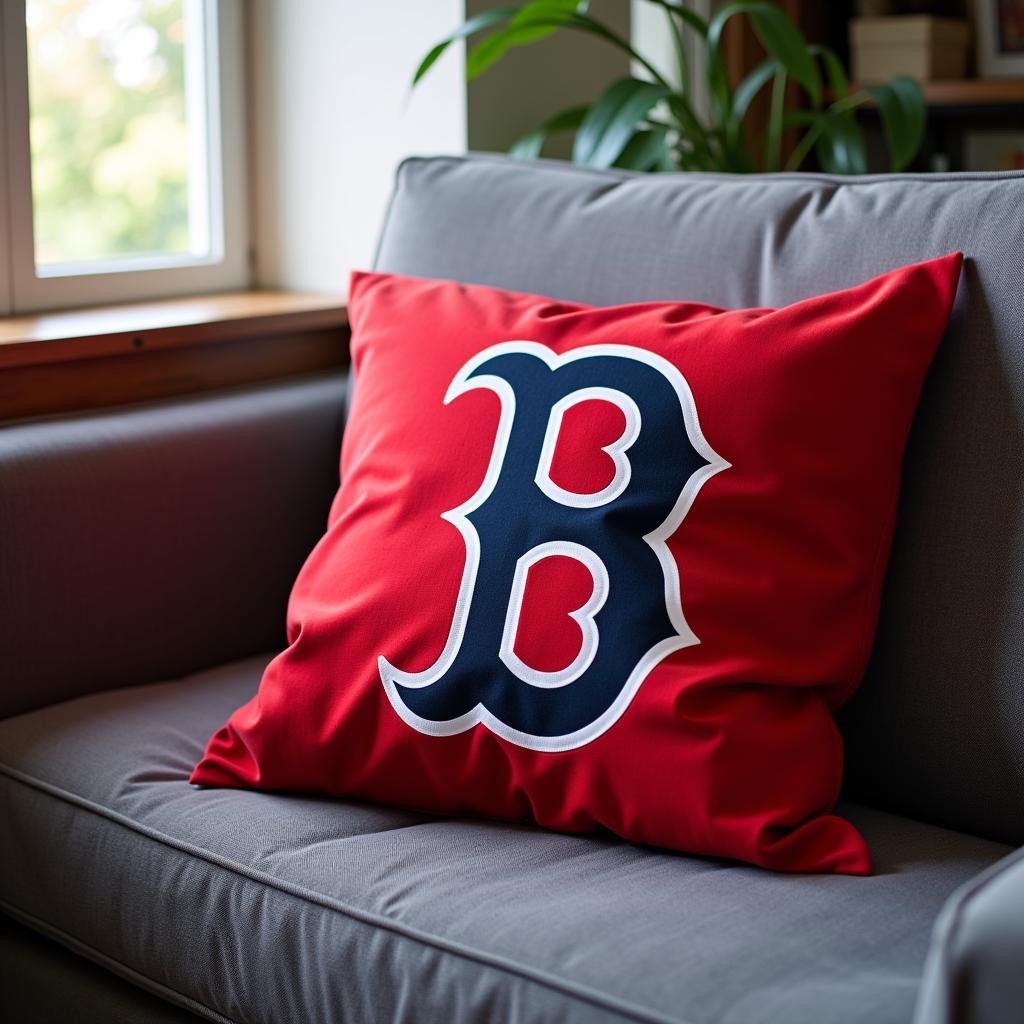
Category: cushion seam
[573,990]
[960,901]
[618,174]
[113,964]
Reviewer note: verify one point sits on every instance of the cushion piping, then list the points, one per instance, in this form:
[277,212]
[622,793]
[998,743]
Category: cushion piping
[572,990]
[620,174]
[115,966]
[958,904]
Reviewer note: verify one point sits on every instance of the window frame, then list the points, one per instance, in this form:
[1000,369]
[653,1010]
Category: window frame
[5,234]
[228,266]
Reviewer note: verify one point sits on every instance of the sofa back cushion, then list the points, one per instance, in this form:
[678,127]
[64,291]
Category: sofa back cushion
[937,730]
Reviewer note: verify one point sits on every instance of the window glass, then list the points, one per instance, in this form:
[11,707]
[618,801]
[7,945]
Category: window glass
[117,123]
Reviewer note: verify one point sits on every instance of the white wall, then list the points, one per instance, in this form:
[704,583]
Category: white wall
[331,117]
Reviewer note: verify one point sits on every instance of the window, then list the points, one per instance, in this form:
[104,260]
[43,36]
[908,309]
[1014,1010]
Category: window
[121,141]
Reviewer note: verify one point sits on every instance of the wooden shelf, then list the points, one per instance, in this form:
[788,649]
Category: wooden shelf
[975,92]
[972,92]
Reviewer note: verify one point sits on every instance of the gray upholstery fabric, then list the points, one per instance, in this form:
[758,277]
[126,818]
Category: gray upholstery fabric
[974,973]
[937,731]
[40,981]
[287,908]
[147,542]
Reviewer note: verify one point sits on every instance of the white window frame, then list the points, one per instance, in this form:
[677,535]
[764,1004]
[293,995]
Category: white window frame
[227,266]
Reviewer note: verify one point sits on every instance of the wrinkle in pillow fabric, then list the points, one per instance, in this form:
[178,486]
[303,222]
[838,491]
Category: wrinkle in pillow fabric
[602,567]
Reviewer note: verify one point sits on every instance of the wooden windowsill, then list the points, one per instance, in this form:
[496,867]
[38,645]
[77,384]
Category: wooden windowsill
[70,361]
[199,320]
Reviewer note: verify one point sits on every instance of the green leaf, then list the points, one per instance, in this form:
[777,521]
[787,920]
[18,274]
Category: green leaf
[691,18]
[550,10]
[535,27]
[613,119]
[773,139]
[776,33]
[585,23]
[718,80]
[805,145]
[793,118]
[739,155]
[679,48]
[496,45]
[902,109]
[752,85]
[475,24]
[559,6]
[784,41]
[534,21]
[840,147]
[530,145]
[834,71]
[647,150]
[690,128]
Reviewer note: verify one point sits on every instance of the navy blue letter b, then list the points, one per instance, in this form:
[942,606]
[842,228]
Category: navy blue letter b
[633,618]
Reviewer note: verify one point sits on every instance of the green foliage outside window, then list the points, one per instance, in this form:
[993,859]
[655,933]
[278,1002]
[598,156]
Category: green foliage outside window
[108,128]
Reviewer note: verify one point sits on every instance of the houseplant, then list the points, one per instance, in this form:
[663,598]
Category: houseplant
[649,123]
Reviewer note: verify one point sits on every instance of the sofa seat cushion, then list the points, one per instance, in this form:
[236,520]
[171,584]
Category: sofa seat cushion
[252,907]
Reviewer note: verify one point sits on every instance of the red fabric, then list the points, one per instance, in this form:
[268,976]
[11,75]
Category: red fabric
[728,746]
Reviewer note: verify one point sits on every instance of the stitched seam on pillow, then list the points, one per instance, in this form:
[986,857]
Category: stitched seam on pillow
[959,902]
[574,990]
[115,966]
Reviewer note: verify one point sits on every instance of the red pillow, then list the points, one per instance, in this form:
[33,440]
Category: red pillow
[601,566]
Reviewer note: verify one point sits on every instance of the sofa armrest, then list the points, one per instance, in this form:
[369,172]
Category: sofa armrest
[975,968]
[150,541]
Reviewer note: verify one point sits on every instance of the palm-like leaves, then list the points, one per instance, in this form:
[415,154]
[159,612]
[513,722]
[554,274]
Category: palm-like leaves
[613,119]
[646,124]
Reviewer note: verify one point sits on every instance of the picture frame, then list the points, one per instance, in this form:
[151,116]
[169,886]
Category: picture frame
[999,38]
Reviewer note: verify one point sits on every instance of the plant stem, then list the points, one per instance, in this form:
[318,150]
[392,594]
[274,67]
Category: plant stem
[773,147]
[689,127]
[850,103]
[803,147]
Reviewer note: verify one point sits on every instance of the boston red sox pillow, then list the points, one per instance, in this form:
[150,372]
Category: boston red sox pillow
[601,567]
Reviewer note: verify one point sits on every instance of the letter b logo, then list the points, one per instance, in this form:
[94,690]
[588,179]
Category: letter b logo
[633,618]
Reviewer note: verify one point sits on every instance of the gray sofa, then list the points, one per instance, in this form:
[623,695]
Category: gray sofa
[158,542]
